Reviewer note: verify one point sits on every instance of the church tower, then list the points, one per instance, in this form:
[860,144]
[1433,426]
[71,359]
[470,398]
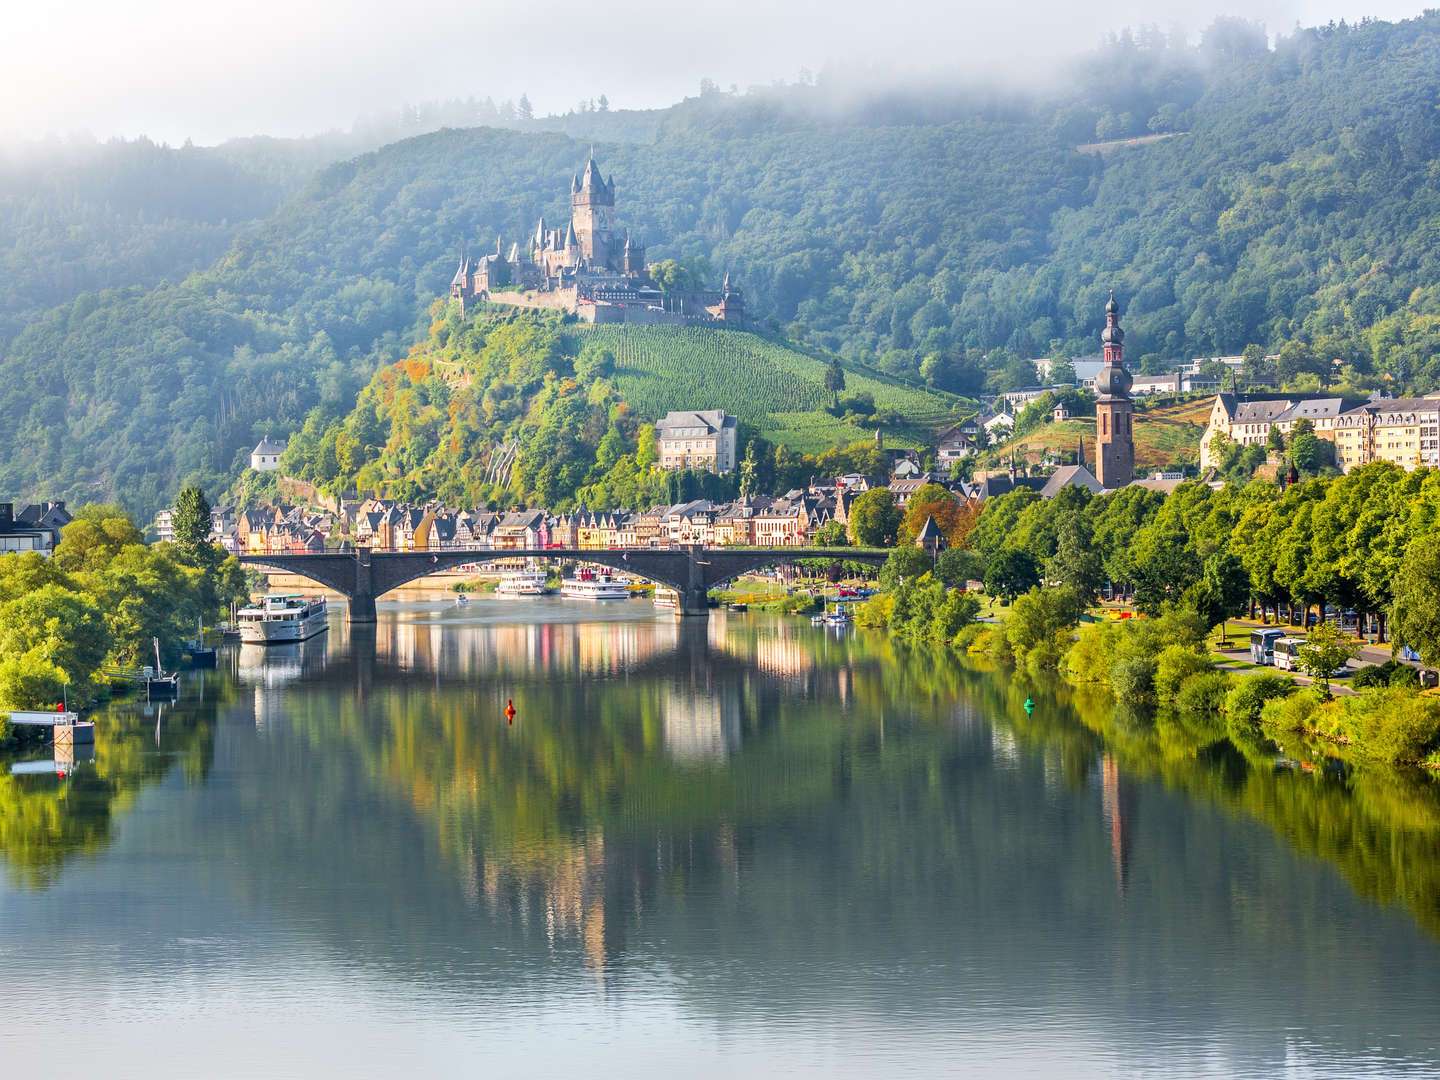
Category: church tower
[1114,439]
[592,202]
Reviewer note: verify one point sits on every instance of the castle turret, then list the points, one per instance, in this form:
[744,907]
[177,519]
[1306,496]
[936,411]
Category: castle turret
[593,215]
[1114,436]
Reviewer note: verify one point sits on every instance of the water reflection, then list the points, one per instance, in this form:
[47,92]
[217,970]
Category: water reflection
[823,852]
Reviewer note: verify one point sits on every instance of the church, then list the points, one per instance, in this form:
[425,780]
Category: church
[590,269]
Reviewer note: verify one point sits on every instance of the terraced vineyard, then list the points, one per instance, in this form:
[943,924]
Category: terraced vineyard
[778,389]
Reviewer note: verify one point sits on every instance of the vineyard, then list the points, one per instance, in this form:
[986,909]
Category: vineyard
[777,389]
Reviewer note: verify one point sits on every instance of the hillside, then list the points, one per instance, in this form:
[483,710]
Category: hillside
[503,407]
[777,389]
[940,240]
[1165,435]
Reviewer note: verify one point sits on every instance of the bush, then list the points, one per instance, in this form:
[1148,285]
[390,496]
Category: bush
[1396,725]
[967,637]
[29,681]
[1133,678]
[1390,673]
[1203,692]
[983,639]
[875,612]
[1176,664]
[1292,712]
[1251,693]
[1038,618]
[1089,659]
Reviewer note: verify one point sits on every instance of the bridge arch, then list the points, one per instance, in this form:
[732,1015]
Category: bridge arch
[363,575]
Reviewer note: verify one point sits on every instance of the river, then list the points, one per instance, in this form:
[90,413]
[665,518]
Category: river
[741,845]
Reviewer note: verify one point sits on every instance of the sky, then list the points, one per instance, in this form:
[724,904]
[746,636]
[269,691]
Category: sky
[176,70]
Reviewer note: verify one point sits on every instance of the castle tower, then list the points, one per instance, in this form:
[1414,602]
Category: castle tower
[592,203]
[1114,438]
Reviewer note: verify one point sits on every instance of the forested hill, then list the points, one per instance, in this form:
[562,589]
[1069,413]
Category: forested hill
[940,240]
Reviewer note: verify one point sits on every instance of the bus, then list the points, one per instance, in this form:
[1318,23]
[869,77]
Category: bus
[1287,653]
[1262,644]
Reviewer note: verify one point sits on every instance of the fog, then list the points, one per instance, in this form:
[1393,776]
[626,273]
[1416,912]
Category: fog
[174,70]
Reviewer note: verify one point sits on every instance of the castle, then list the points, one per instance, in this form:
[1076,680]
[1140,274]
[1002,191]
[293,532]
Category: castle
[590,269]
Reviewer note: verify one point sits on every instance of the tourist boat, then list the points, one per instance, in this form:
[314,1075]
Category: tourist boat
[461,599]
[523,583]
[666,598]
[596,585]
[282,618]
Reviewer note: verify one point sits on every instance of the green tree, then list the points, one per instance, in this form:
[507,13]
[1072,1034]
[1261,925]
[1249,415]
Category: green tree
[831,534]
[1416,610]
[1275,442]
[1076,563]
[749,471]
[959,565]
[905,564]
[834,381]
[192,519]
[875,519]
[1227,586]
[61,627]
[1326,650]
[1011,572]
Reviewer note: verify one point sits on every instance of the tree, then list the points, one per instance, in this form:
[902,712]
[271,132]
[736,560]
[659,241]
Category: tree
[749,469]
[874,518]
[1011,572]
[905,564]
[1325,651]
[1227,586]
[192,519]
[831,534]
[60,627]
[932,500]
[1076,563]
[1276,441]
[1416,610]
[957,565]
[835,381]
[524,110]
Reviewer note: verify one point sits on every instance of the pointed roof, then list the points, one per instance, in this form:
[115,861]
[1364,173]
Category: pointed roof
[929,532]
[540,234]
[570,240]
[459,278]
[590,179]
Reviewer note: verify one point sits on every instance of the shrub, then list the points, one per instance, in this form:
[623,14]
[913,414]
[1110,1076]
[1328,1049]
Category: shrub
[1133,677]
[1176,664]
[1038,617]
[967,636]
[1089,659]
[1204,692]
[1396,725]
[984,640]
[952,615]
[1390,673]
[1293,711]
[1251,693]
[875,612]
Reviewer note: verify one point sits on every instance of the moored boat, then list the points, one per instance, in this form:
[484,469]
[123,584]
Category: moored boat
[666,597]
[522,583]
[282,618]
[596,585]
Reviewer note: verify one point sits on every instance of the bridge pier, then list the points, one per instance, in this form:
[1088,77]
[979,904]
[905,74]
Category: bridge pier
[362,600]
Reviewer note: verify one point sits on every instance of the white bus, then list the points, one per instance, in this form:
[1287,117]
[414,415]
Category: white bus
[1287,653]
[1262,644]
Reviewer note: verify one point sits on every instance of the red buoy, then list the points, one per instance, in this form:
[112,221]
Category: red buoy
[510,711]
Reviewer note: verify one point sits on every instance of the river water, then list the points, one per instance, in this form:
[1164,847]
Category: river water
[740,845]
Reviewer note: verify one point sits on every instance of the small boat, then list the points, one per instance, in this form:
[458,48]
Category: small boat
[522,583]
[666,597]
[461,599]
[158,685]
[596,585]
[817,620]
[735,605]
[198,653]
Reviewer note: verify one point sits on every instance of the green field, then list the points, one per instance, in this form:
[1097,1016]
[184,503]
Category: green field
[780,390]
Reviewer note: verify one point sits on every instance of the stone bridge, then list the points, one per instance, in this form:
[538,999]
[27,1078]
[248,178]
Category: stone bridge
[363,575]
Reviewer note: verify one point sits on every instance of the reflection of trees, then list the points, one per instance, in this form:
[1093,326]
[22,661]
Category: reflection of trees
[46,819]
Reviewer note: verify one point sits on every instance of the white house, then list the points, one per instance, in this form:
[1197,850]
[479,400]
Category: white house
[266,455]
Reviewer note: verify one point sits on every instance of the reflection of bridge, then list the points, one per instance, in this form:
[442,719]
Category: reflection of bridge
[362,575]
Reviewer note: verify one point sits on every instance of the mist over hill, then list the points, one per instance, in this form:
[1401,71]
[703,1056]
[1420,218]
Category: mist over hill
[940,236]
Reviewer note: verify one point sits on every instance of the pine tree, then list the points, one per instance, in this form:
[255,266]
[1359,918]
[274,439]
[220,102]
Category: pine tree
[749,470]
[192,519]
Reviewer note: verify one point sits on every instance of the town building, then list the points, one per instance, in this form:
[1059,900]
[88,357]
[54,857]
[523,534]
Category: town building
[40,533]
[697,440]
[1405,431]
[266,455]
[1114,437]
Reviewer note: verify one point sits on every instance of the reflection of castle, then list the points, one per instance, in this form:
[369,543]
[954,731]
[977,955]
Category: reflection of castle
[589,269]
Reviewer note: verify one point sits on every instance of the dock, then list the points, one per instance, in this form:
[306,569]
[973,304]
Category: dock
[67,727]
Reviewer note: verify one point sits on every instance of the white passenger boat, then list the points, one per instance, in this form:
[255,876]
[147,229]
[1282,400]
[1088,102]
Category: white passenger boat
[666,597]
[283,618]
[596,585]
[523,583]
